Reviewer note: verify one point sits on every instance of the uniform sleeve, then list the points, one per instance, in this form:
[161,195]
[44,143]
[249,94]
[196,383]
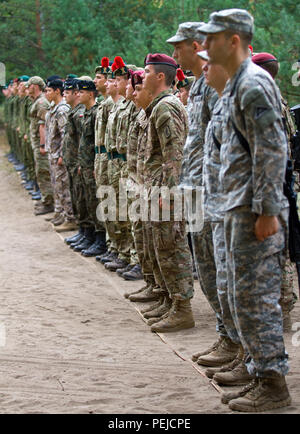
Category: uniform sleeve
[171,128]
[268,146]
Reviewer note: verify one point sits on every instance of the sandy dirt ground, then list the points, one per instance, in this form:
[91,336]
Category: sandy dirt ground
[71,343]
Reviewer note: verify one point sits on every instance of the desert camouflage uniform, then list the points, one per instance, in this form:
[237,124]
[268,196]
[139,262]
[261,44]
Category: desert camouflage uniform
[55,134]
[252,186]
[70,157]
[42,169]
[167,132]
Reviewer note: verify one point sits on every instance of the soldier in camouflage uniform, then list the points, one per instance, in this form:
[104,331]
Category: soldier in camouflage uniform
[155,288]
[55,136]
[29,157]
[126,120]
[94,233]
[37,138]
[117,165]
[187,43]
[70,158]
[253,162]
[288,297]
[166,134]
[101,160]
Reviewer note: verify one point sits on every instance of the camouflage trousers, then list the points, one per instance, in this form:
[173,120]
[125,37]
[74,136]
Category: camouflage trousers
[29,160]
[288,296]
[218,238]
[91,201]
[77,197]
[254,272]
[170,256]
[61,188]
[119,231]
[142,250]
[42,172]
[204,258]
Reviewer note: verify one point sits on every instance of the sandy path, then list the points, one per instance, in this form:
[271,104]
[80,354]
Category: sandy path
[74,344]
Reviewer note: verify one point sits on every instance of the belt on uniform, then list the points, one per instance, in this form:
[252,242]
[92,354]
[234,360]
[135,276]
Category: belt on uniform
[114,154]
[100,149]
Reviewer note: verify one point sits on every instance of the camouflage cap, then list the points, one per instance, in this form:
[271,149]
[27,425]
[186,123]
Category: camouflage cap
[186,31]
[229,19]
[36,80]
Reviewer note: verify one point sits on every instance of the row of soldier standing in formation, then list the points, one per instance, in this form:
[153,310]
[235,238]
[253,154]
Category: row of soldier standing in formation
[78,134]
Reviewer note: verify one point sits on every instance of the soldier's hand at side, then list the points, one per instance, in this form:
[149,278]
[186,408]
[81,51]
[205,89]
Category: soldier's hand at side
[25,137]
[42,150]
[60,161]
[266,226]
[79,170]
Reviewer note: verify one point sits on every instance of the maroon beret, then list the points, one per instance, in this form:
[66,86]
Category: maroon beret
[160,59]
[261,58]
[137,78]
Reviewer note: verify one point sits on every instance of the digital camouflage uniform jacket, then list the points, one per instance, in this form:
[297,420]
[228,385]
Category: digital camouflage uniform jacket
[252,101]
[201,101]
[72,136]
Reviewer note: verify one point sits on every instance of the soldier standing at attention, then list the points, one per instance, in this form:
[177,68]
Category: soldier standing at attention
[166,135]
[39,108]
[253,163]
[94,233]
[55,135]
[187,42]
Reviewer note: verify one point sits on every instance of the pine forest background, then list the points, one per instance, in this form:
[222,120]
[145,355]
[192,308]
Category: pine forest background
[45,37]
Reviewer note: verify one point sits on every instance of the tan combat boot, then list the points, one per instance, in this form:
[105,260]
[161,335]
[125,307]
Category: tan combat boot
[214,346]
[127,294]
[144,296]
[160,310]
[152,306]
[228,396]
[238,376]
[180,317]
[268,394]
[157,319]
[225,353]
[210,372]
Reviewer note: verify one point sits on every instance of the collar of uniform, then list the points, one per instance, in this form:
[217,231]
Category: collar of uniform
[235,78]
[156,100]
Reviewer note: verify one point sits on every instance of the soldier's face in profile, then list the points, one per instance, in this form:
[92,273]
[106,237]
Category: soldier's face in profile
[70,96]
[215,76]
[111,87]
[183,95]
[150,81]
[129,91]
[100,81]
[121,83]
[84,96]
[142,97]
[185,53]
[50,95]
[217,47]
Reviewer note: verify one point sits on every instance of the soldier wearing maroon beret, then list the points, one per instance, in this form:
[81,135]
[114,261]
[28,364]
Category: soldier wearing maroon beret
[166,241]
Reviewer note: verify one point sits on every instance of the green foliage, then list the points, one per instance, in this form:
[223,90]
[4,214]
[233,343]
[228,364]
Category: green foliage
[44,37]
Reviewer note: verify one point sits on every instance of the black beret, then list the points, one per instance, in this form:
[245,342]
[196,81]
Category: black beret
[70,84]
[55,84]
[86,85]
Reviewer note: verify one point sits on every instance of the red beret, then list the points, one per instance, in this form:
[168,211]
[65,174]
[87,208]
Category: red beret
[160,59]
[261,58]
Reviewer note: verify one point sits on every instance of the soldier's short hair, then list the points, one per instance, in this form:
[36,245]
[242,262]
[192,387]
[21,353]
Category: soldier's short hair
[169,71]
